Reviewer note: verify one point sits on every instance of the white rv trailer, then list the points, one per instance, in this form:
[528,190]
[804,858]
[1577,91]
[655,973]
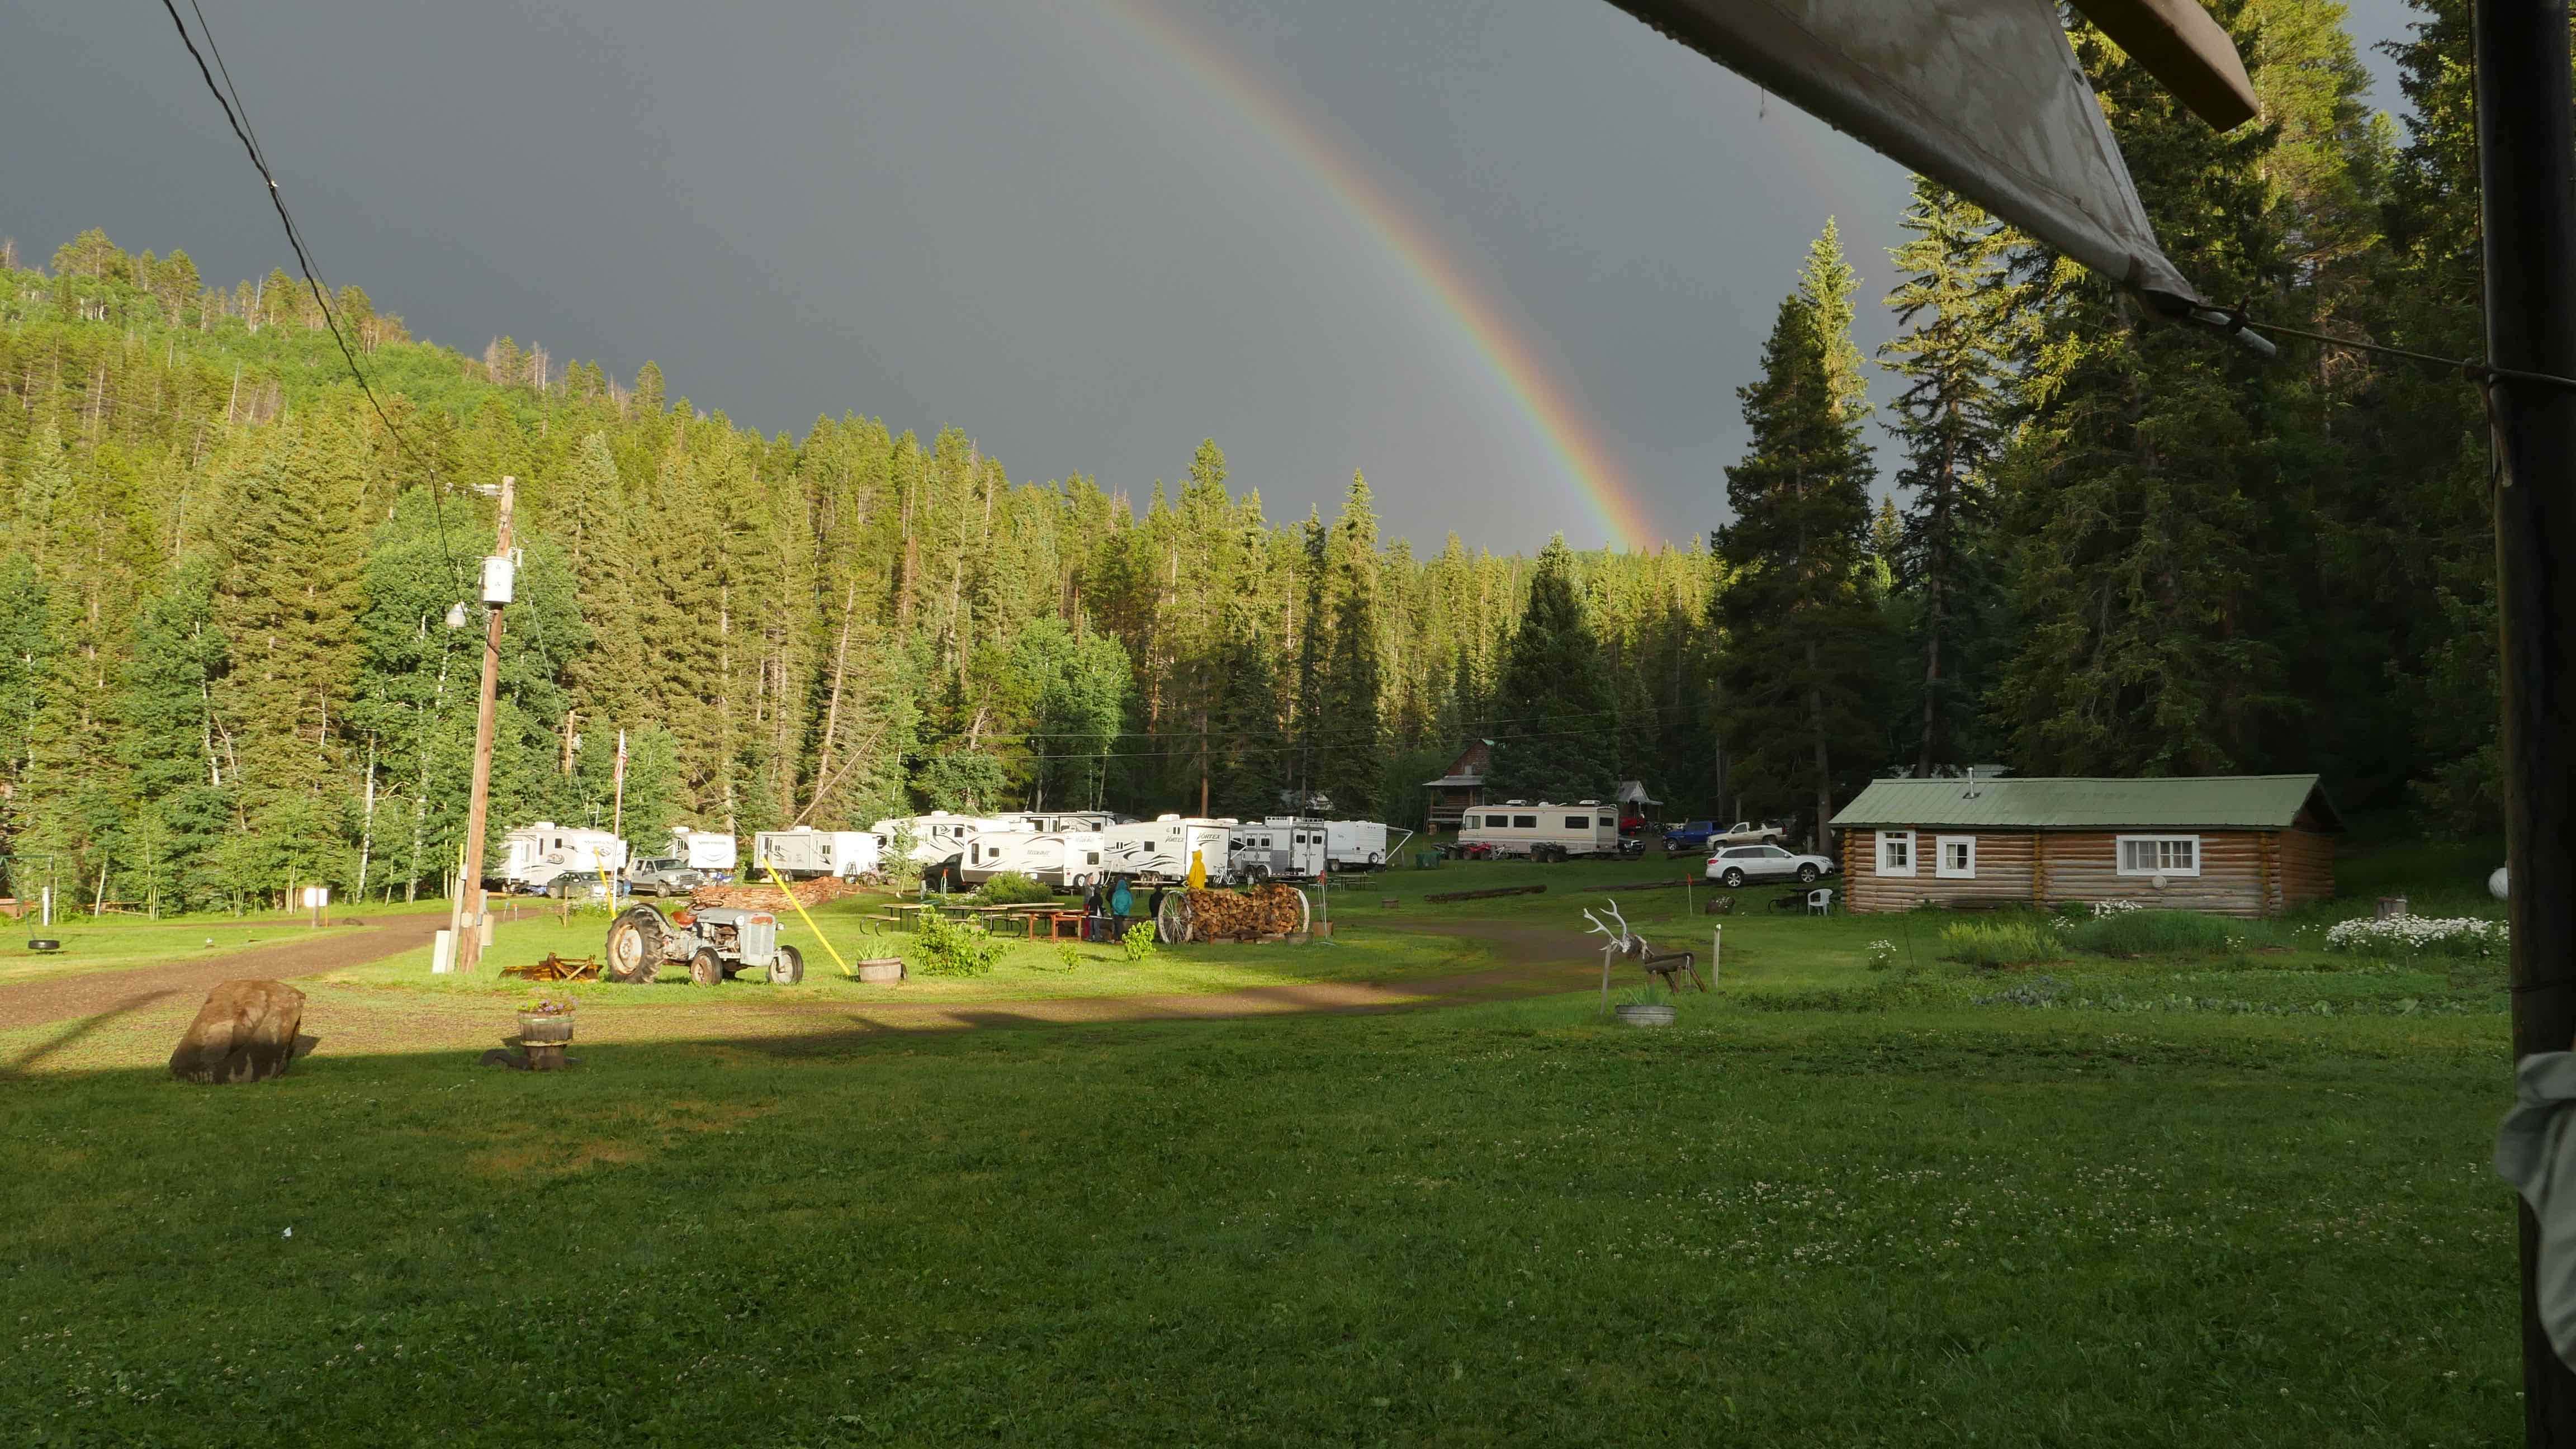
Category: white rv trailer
[704,849]
[1158,851]
[1279,848]
[1064,859]
[1542,831]
[937,838]
[806,851]
[532,856]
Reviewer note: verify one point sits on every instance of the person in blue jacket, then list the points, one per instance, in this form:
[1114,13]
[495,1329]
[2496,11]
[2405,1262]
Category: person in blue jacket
[1121,901]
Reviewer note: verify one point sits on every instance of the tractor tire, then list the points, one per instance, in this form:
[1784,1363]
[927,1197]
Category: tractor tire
[1733,878]
[706,968]
[1806,875]
[634,947]
[788,968]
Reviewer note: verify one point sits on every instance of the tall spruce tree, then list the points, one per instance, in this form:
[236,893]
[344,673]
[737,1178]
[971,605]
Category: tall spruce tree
[1553,700]
[1350,760]
[1952,303]
[1827,284]
[2139,569]
[1795,633]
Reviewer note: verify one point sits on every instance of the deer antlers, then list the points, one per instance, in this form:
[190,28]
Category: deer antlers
[1620,937]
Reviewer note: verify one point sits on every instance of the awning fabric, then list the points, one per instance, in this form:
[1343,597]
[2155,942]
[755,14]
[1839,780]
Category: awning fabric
[1983,96]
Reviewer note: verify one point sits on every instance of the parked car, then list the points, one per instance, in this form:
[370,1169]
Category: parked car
[1689,835]
[1736,865]
[664,875]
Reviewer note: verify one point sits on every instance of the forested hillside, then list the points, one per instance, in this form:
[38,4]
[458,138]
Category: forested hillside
[227,667]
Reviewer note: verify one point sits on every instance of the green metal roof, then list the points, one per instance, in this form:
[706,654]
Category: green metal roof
[2217,802]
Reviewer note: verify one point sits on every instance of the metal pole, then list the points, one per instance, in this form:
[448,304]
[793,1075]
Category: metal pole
[2526,166]
[469,944]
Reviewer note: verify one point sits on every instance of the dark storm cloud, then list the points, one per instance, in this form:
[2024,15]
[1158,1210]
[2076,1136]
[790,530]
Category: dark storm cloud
[1037,222]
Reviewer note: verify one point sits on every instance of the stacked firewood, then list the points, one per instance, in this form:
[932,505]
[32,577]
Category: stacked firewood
[1249,915]
[809,893]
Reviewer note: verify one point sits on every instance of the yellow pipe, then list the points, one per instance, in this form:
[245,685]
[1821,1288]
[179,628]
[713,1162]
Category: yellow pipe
[809,921]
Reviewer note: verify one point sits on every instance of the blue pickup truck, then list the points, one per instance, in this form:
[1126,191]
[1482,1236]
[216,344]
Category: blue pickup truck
[1708,835]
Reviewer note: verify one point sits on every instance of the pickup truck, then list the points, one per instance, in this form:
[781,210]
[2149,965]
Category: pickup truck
[1708,835]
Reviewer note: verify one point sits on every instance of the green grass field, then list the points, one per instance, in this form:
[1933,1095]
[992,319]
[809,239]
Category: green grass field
[2173,1203]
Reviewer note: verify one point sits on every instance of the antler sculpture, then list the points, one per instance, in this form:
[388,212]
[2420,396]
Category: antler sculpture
[1619,943]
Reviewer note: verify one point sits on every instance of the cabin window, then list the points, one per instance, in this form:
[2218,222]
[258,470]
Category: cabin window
[1954,857]
[2159,854]
[1578,822]
[1896,852]
[1525,822]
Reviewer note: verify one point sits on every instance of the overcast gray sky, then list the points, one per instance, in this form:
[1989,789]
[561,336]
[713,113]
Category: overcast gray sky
[1509,257]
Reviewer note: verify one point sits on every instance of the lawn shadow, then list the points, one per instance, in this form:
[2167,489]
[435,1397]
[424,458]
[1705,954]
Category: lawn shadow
[76,1031]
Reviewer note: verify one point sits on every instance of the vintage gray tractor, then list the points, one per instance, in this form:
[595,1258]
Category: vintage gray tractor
[715,941]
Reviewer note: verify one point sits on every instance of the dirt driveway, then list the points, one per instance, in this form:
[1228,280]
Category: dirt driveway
[128,989]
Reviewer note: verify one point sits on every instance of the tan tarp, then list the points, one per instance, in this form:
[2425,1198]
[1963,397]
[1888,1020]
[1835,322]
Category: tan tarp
[1983,96]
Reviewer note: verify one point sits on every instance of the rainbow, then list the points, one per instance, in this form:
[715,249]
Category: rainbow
[1490,332]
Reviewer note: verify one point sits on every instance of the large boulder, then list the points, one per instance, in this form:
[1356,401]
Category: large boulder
[244,1033]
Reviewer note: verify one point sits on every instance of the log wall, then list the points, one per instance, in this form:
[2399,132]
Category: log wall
[2242,872]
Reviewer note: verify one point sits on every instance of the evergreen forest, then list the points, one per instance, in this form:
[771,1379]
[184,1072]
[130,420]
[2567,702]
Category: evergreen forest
[2033,531]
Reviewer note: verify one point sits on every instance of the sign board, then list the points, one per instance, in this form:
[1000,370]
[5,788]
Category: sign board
[316,897]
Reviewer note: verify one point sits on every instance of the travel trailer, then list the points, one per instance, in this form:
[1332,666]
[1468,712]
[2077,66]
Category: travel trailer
[1158,851]
[1541,831]
[533,856]
[1064,859]
[937,838]
[1279,848]
[709,850]
[806,851]
[1360,844]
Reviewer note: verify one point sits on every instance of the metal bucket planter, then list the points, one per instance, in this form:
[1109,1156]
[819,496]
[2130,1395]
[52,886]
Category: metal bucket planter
[1645,1015]
[887,970]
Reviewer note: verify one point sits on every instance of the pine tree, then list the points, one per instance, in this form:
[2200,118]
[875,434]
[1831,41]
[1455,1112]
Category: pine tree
[2136,565]
[1827,284]
[1953,305]
[1553,697]
[1350,760]
[1797,635]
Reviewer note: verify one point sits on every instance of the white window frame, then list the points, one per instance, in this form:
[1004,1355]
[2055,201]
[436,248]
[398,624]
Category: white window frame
[1941,866]
[1889,837]
[2120,855]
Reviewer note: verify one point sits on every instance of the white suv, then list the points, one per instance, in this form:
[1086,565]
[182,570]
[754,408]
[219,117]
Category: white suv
[1736,864]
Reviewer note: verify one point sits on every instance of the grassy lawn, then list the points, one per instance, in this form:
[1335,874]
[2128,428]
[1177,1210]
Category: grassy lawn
[1494,1224]
[2231,1196]
[113,942]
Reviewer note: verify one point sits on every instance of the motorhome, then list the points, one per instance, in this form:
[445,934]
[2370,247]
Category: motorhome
[532,856]
[708,850]
[1279,848]
[1065,859]
[1158,851]
[806,851]
[1541,831]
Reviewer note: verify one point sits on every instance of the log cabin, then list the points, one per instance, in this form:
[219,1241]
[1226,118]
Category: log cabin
[2240,845]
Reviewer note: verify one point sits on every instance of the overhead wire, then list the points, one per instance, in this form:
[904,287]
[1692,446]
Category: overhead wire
[236,116]
[2475,371]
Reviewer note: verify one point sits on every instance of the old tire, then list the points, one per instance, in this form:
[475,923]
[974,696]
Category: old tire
[788,967]
[1734,877]
[634,947]
[706,968]
[1806,875]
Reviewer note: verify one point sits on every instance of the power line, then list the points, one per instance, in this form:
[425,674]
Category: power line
[238,119]
[2470,368]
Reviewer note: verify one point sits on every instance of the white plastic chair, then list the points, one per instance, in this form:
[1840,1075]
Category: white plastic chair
[1820,901]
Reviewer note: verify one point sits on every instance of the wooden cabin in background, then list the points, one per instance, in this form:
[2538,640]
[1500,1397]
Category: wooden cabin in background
[2239,845]
[1459,789]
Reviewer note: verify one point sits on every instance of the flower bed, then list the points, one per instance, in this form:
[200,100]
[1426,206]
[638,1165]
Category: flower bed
[2418,936]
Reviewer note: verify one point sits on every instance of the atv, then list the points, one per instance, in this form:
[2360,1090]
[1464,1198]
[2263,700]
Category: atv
[715,941]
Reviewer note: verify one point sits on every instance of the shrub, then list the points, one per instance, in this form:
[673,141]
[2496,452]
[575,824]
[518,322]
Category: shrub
[2135,932]
[2419,936]
[2105,909]
[952,948]
[1011,888]
[1069,954]
[1645,996]
[1138,943]
[1882,955]
[2002,944]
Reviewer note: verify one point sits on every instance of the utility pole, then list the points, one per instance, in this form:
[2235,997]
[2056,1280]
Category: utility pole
[496,592]
[2527,212]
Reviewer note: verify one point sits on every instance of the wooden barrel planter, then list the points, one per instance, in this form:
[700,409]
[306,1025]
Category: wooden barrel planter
[543,1035]
[882,970]
[1646,1015]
